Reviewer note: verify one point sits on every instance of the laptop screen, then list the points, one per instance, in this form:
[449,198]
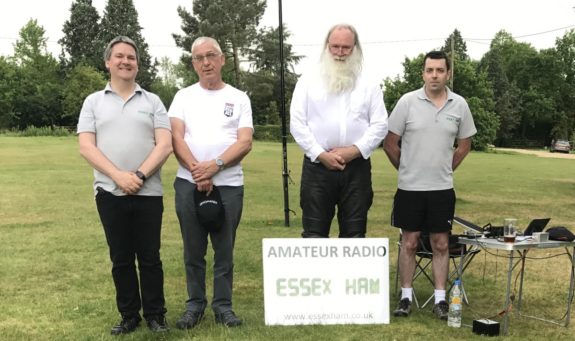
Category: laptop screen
[536,225]
[468,225]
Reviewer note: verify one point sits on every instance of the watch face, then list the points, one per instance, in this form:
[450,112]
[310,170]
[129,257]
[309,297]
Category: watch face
[220,162]
[141,175]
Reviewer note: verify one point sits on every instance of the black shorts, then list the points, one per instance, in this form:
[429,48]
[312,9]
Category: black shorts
[426,211]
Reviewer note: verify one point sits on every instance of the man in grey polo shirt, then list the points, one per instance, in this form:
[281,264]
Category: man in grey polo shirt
[427,122]
[125,134]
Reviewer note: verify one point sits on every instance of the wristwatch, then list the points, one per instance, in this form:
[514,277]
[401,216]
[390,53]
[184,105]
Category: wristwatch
[220,163]
[141,175]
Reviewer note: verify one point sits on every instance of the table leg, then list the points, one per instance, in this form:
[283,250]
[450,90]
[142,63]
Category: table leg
[507,294]
[462,257]
[523,256]
[572,282]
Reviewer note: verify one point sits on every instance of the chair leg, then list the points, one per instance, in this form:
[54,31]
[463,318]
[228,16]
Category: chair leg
[421,269]
[415,299]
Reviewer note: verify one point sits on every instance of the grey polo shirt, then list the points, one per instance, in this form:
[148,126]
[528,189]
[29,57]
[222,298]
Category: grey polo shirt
[125,133]
[427,138]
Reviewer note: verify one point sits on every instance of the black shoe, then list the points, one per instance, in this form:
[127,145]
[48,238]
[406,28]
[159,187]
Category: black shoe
[228,318]
[403,308]
[189,319]
[441,310]
[127,325]
[158,324]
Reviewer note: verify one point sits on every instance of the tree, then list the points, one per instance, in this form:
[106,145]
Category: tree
[121,18]
[456,49]
[81,81]
[506,95]
[265,54]
[535,82]
[486,122]
[8,84]
[565,55]
[411,80]
[80,40]
[37,98]
[263,85]
[166,84]
[460,48]
[232,23]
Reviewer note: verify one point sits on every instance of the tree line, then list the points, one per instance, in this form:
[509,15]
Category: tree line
[517,94]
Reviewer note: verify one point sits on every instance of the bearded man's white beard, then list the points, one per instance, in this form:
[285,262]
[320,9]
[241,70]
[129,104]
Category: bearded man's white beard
[340,75]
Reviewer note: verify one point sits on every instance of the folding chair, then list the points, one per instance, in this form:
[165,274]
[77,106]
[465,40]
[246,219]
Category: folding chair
[460,257]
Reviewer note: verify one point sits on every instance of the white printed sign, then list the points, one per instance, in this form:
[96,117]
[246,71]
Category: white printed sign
[326,281]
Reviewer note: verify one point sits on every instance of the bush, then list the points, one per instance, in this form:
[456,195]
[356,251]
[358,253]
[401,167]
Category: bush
[41,131]
[272,133]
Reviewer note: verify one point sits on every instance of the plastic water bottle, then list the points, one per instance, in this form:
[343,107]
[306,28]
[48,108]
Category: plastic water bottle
[454,315]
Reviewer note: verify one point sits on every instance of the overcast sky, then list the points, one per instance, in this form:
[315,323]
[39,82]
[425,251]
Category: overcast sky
[388,30]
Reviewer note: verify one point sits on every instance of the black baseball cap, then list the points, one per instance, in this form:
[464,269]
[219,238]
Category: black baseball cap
[209,209]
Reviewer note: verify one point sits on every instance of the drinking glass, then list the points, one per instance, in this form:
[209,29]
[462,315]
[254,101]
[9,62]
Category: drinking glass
[509,230]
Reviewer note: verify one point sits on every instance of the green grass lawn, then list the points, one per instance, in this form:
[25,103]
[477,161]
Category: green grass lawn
[55,280]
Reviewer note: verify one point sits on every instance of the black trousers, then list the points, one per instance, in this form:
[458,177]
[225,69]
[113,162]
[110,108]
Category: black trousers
[323,189]
[132,225]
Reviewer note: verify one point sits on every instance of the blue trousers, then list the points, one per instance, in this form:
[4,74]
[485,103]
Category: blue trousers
[195,239]
[132,225]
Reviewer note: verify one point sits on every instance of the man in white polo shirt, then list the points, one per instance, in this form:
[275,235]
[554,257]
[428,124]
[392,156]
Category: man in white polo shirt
[427,122]
[338,118]
[212,133]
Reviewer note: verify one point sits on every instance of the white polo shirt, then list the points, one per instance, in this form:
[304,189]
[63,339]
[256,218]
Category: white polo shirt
[212,119]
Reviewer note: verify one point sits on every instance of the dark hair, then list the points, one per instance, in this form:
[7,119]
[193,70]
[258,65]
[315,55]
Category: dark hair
[437,55]
[120,39]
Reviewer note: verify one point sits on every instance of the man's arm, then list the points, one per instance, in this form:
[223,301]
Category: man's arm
[159,154]
[183,153]
[234,154]
[378,124]
[299,127]
[181,150]
[392,149]
[463,148]
[128,182]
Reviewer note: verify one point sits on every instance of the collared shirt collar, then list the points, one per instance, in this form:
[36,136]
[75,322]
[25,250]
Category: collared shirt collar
[108,88]
[422,95]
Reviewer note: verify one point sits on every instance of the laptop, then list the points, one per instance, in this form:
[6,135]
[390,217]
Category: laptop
[469,225]
[536,225]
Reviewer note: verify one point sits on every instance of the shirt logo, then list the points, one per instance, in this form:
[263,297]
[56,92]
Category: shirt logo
[453,119]
[147,113]
[229,110]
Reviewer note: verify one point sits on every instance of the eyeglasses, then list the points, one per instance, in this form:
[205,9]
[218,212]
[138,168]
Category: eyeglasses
[343,48]
[210,57]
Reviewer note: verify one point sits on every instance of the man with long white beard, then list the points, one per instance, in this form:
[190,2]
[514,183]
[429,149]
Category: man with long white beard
[338,118]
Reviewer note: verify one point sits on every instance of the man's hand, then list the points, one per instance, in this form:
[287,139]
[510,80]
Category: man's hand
[348,153]
[332,161]
[205,186]
[128,182]
[204,170]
